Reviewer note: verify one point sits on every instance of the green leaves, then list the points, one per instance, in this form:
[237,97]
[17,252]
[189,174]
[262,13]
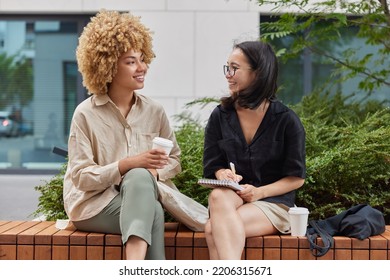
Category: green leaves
[320,28]
[16,80]
[348,154]
[190,137]
[51,202]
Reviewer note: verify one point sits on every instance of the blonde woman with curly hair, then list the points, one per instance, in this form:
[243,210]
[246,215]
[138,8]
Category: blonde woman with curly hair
[110,184]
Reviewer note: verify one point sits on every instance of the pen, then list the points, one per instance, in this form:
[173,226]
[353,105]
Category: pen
[233,168]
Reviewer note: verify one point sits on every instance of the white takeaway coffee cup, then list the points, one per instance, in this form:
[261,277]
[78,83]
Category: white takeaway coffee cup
[162,143]
[298,220]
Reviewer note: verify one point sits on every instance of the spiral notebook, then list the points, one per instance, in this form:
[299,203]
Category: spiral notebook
[213,183]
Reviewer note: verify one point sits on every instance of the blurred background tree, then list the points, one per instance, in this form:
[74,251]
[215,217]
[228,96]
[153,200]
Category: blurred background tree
[16,78]
[321,28]
[5,78]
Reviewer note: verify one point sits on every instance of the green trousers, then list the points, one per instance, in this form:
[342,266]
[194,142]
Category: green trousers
[134,211]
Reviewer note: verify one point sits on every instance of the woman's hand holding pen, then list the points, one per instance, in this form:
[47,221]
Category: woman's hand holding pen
[227,174]
[248,194]
[236,178]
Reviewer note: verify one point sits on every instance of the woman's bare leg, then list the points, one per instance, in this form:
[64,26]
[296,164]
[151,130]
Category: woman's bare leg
[227,228]
[210,241]
[231,222]
[255,221]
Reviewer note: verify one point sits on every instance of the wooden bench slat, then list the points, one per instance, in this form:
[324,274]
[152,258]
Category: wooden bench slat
[60,252]
[378,242]
[44,237]
[78,238]
[254,242]
[386,235]
[61,237]
[95,239]
[170,234]
[272,241]
[95,252]
[41,240]
[3,223]
[113,240]
[77,252]
[360,244]
[184,237]
[288,241]
[342,242]
[43,252]
[27,236]
[9,236]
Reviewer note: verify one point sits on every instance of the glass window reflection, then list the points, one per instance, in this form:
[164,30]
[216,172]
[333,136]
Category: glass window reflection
[38,91]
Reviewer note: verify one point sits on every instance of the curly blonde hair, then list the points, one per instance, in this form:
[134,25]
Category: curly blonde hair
[106,37]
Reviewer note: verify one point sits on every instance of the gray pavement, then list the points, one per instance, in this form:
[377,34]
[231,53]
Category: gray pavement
[18,198]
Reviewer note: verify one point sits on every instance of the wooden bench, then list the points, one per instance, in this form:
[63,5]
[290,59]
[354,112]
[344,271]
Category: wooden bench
[41,240]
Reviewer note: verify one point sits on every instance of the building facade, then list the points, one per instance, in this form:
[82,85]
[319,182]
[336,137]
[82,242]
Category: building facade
[192,40]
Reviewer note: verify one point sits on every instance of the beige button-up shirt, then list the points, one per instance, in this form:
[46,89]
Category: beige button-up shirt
[99,137]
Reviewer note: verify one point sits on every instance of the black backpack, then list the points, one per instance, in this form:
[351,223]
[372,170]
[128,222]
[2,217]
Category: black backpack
[360,221]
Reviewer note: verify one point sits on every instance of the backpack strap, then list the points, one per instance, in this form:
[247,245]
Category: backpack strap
[327,239]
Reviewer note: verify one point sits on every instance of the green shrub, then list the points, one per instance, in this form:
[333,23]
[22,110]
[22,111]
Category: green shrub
[190,139]
[348,155]
[51,202]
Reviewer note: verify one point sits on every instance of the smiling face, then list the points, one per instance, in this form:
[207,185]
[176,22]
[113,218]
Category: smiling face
[243,76]
[131,71]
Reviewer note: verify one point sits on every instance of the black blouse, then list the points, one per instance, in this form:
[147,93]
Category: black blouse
[276,151]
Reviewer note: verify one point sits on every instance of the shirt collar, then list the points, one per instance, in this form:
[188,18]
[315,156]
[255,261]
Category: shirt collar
[101,100]
[275,107]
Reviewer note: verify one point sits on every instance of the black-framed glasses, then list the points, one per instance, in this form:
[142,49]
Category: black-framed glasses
[229,69]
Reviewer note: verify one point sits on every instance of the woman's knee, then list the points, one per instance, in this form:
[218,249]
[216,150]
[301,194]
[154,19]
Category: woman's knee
[220,197]
[216,195]
[137,174]
[138,178]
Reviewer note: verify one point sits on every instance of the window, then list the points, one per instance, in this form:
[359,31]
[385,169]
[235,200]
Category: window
[70,95]
[40,89]
[301,75]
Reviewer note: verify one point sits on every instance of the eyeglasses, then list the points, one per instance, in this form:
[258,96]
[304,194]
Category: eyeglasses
[232,70]
[229,69]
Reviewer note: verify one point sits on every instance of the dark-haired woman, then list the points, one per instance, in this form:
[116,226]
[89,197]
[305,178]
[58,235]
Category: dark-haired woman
[265,140]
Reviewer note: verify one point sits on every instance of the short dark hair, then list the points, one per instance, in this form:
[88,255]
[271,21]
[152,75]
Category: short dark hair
[263,62]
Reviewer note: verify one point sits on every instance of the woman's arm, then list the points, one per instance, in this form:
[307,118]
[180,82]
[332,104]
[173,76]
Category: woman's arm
[280,187]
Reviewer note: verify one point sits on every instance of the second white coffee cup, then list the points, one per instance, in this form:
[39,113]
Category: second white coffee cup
[162,143]
[298,220]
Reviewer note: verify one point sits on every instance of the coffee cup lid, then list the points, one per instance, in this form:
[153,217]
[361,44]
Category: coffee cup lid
[298,210]
[163,142]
